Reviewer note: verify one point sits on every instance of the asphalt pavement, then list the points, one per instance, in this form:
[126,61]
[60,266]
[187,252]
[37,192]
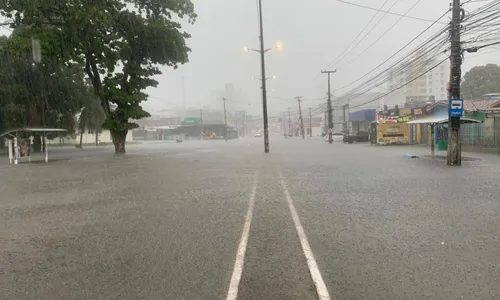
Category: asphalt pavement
[223,220]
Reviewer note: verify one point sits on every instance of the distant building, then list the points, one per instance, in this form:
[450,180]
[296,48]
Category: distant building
[236,99]
[412,87]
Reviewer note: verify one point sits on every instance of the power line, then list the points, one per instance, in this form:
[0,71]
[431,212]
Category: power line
[397,52]
[339,57]
[397,69]
[400,87]
[380,37]
[368,33]
[426,54]
[388,12]
[345,52]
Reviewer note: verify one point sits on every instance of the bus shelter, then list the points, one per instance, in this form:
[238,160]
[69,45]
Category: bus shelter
[20,142]
[434,121]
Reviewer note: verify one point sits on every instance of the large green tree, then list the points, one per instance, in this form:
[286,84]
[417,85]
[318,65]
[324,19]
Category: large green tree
[120,43]
[481,80]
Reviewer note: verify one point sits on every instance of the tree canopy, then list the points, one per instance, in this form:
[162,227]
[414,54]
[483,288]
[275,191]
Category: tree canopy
[481,80]
[118,44]
[47,94]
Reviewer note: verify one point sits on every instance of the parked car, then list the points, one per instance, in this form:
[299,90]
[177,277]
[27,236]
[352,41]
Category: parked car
[257,135]
[361,136]
[336,136]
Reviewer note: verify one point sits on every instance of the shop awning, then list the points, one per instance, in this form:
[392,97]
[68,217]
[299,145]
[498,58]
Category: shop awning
[441,120]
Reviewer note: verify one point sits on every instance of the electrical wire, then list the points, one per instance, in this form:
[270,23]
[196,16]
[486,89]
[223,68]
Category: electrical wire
[397,52]
[345,52]
[391,13]
[380,37]
[398,69]
[481,28]
[405,84]
[341,55]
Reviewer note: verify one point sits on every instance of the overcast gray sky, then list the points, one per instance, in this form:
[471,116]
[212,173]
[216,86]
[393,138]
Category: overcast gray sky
[313,33]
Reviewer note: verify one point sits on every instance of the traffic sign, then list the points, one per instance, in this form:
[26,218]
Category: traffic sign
[456,108]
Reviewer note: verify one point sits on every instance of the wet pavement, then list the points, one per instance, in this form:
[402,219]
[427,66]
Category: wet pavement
[166,221]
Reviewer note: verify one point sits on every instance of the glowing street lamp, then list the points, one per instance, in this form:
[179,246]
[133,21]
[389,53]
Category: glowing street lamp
[267,78]
[278,46]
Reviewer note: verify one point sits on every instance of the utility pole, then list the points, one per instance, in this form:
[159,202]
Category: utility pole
[299,99]
[183,100]
[289,121]
[264,91]
[244,123]
[201,123]
[225,118]
[325,123]
[310,123]
[454,157]
[330,121]
[283,123]
[344,116]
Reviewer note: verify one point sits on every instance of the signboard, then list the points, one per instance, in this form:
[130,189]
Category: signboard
[387,119]
[191,121]
[404,119]
[457,108]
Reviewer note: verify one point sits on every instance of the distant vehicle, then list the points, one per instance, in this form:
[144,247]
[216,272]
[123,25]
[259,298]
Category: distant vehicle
[336,136]
[361,136]
[257,135]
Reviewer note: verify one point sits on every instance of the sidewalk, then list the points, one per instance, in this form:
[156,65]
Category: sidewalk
[467,156]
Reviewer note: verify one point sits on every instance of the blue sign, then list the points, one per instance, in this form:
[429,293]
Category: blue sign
[457,108]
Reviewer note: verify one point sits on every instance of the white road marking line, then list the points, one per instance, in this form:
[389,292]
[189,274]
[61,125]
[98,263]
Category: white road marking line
[311,262]
[232,293]
[207,150]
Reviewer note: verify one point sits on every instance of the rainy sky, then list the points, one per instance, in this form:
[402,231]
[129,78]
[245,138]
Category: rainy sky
[313,33]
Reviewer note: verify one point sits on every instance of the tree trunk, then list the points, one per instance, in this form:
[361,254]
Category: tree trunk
[81,139]
[119,138]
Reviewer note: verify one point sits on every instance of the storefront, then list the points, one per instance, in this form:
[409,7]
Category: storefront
[393,134]
[361,120]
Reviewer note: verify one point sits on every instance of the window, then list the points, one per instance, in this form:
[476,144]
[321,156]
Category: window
[442,82]
[442,89]
[430,90]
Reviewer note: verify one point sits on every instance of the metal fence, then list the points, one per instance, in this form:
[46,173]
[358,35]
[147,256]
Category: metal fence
[484,135]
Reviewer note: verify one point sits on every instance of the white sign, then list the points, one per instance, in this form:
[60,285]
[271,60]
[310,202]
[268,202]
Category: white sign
[456,104]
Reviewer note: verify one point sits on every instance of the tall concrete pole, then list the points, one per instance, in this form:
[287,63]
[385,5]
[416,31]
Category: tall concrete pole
[454,157]
[263,78]
[299,99]
[329,105]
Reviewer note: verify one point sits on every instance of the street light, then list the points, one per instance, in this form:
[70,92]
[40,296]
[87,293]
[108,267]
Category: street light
[278,46]
[267,78]
[262,51]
